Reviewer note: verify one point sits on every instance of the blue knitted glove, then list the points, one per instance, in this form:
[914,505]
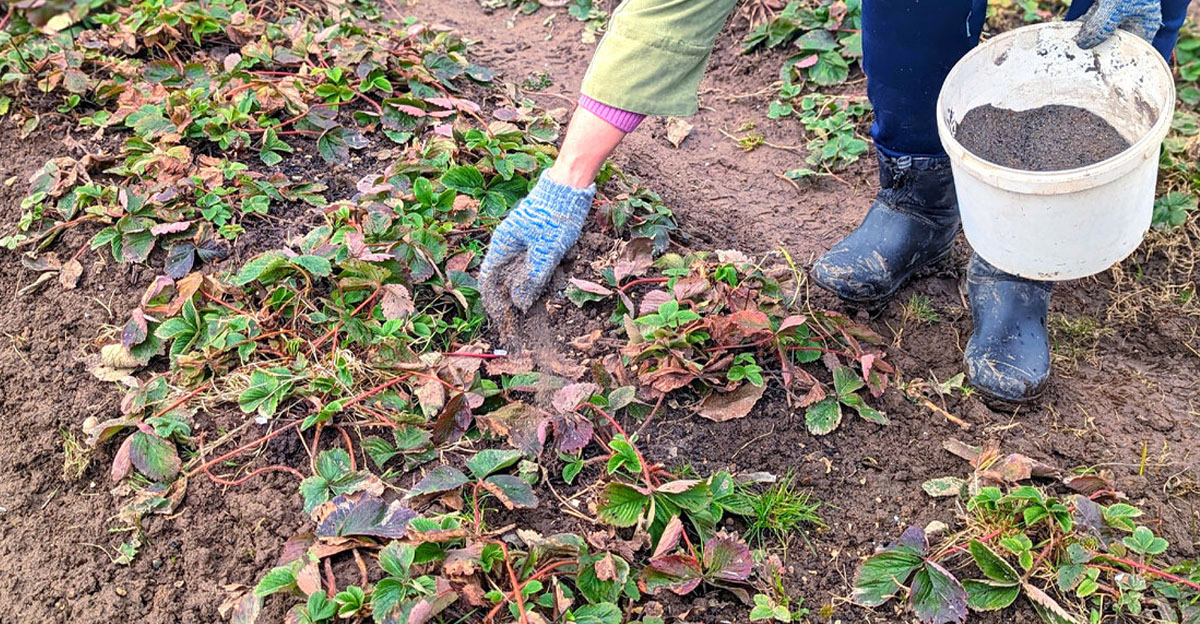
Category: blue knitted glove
[1140,17]
[531,241]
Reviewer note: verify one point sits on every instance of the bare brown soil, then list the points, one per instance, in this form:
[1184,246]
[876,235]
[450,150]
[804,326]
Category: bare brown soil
[1130,402]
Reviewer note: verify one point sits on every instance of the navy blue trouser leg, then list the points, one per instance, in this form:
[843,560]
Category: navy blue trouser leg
[910,45]
[908,48]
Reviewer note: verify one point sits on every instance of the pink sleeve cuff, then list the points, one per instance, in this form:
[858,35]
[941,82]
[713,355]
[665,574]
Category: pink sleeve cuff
[623,120]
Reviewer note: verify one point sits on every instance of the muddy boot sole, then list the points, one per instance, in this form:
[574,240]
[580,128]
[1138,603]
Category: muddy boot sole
[876,306]
[997,404]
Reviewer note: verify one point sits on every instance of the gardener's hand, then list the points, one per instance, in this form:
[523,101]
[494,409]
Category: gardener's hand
[1140,17]
[530,242]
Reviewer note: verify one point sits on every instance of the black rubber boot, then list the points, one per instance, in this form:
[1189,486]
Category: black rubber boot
[1008,355]
[911,225]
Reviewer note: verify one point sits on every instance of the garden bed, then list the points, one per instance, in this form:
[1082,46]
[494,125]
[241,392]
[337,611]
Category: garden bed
[1124,398]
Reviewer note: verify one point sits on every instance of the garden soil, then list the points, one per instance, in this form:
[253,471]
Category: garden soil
[1047,138]
[1129,404]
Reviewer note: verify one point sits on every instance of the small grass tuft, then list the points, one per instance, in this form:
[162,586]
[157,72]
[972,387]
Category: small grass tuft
[780,511]
[76,456]
[1075,338]
[920,308]
[537,81]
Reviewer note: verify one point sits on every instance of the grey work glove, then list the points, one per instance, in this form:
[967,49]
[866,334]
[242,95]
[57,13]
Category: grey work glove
[530,242]
[1140,17]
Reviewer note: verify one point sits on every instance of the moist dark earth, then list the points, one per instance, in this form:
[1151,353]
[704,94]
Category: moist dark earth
[1125,397]
[1047,138]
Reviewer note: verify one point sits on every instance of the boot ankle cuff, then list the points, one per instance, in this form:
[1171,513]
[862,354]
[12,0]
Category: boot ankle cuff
[908,162]
[918,184]
[981,270]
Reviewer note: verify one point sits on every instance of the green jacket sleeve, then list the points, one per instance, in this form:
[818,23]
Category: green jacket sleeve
[654,55]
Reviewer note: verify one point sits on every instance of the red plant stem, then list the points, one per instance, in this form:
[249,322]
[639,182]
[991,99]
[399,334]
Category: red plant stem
[217,300]
[82,249]
[60,226]
[757,343]
[481,356]
[1100,494]
[7,16]
[652,413]
[246,478]
[238,89]
[959,547]
[349,447]
[336,328]
[285,74]
[845,354]
[312,453]
[641,460]
[241,449]
[1112,592]
[373,391]
[290,121]
[182,399]
[1155,571]
[259,337]
[373,103]
[692,549]
[379,423]
[512,576]
[362,567]
[475,502]
[1040,558]
[307,448]
[1111,570]
[548,568]
[297,5]
[449,386]
[330,580]
[644,280]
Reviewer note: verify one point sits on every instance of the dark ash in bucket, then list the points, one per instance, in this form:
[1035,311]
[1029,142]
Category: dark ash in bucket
[1049,138]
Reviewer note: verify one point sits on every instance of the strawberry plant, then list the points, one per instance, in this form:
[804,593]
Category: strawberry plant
[716,323]
[829,37]
[832,122]
[827,33]
[1076,560]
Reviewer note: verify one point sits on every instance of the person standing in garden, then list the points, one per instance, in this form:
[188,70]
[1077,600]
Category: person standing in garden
[651,61]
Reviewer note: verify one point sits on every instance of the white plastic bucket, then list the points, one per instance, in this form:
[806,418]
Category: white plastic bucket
[1069,224]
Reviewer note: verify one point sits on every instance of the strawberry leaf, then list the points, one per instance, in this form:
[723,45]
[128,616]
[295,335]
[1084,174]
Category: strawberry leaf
[621,505]
[1047,607]
[991,564]
[439,480]
[937,597]
[986,595]
[824,416]
[678,573]
[153,456]
[727,559]
[513,492]
[884,574]
[368,516]
[486,462]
